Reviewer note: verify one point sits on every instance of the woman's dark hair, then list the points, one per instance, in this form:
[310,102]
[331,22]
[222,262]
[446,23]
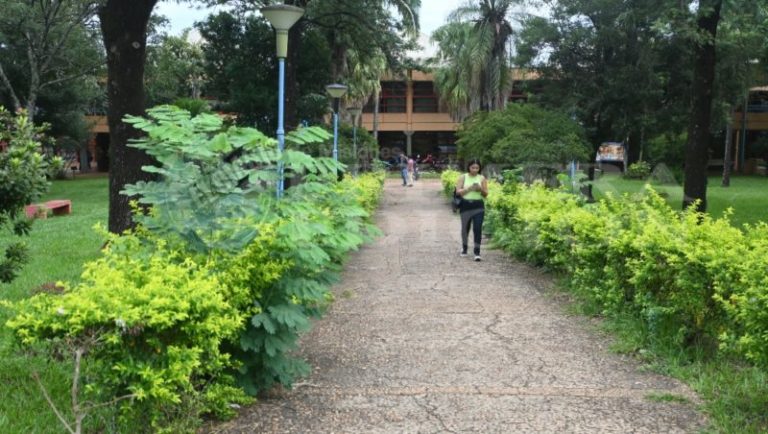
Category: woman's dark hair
[474,161]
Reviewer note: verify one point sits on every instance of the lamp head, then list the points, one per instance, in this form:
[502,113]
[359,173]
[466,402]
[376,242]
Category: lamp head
[282,17]
[336,90]
[354,111]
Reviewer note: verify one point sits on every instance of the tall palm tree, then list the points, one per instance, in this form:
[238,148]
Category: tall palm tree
[365,81]
[473,56]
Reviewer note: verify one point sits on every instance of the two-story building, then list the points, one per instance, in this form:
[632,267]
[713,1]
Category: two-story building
[412,119]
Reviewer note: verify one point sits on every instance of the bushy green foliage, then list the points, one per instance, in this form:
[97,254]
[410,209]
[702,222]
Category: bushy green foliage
[638,170]
[666,148]
[522,135]
[24,175]
[368,188]
[690,279]
[194,106]
[279,257]
[449,178]
[149,321]
[744,297]
[206,300]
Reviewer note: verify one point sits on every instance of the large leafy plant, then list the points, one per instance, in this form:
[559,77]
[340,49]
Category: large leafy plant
[212,176]
[216,196]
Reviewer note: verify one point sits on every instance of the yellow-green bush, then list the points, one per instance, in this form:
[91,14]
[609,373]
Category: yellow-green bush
[150,321]
[691,279]
[742,292]
[368,188]
[449,178]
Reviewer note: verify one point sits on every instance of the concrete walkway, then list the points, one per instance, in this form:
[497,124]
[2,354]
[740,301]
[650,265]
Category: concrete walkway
[423,341]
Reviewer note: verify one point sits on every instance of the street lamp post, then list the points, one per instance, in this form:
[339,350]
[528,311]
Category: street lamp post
[282,17]
[336,91]
[355,112]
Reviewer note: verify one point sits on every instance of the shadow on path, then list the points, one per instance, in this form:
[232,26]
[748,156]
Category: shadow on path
[423,341]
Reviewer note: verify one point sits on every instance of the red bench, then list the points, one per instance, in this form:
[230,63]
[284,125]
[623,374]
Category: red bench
[40,210]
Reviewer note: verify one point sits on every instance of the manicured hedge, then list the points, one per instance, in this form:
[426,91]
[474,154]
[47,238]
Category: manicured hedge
[691,279]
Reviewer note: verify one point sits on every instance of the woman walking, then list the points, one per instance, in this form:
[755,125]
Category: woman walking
[473,188]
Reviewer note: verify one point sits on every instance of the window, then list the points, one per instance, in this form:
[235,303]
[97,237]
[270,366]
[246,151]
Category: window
[517,93]
[424,98]
[392,98]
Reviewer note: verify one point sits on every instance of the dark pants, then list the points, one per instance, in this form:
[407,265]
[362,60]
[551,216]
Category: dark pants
[472,214]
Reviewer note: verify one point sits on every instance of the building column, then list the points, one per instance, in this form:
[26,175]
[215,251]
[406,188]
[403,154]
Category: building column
[408,142]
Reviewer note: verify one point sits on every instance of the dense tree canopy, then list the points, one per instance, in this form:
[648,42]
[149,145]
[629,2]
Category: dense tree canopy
[50,57]
[174,69]
[637,71]
[522,135]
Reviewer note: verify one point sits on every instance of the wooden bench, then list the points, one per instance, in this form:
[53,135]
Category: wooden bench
[40,210]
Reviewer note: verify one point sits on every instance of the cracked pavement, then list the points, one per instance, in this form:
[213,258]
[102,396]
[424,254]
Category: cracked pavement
[421,340]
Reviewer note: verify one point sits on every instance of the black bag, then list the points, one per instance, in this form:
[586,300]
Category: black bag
[456,202]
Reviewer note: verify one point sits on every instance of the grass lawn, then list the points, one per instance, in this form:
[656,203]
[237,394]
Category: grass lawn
[58,248]
[747,195]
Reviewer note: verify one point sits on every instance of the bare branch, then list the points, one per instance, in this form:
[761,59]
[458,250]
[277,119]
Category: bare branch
[86,71]
[7,85]
[51,404]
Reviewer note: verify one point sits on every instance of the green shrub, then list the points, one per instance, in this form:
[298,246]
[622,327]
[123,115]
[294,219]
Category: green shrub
[194,106]
[367,187]
[743,294]
[638,170]
[148,321]
[449,178]
[24,173]
[216,199]
[690,279]
[214,288]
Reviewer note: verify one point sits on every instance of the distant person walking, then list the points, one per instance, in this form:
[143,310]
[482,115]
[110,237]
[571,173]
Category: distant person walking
[402,162]
[473,189]
[411,168]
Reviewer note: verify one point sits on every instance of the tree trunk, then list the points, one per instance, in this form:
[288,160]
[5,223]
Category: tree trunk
[7,84]
[699,137]
[34,80]
[376,115]
[124,30]
[727,154]
[633,147]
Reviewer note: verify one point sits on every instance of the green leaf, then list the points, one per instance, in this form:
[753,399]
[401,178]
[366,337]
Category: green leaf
[289,314]
[263,320]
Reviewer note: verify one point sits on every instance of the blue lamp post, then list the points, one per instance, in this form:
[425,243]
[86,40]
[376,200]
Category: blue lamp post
[282,17]
[336,91]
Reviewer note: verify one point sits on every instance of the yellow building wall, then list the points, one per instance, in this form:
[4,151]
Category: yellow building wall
[755,121]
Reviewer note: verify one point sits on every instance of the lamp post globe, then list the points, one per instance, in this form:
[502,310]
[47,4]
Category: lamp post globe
[281,17]
[336,91]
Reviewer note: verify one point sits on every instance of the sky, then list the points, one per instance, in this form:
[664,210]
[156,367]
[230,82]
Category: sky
[433,15]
